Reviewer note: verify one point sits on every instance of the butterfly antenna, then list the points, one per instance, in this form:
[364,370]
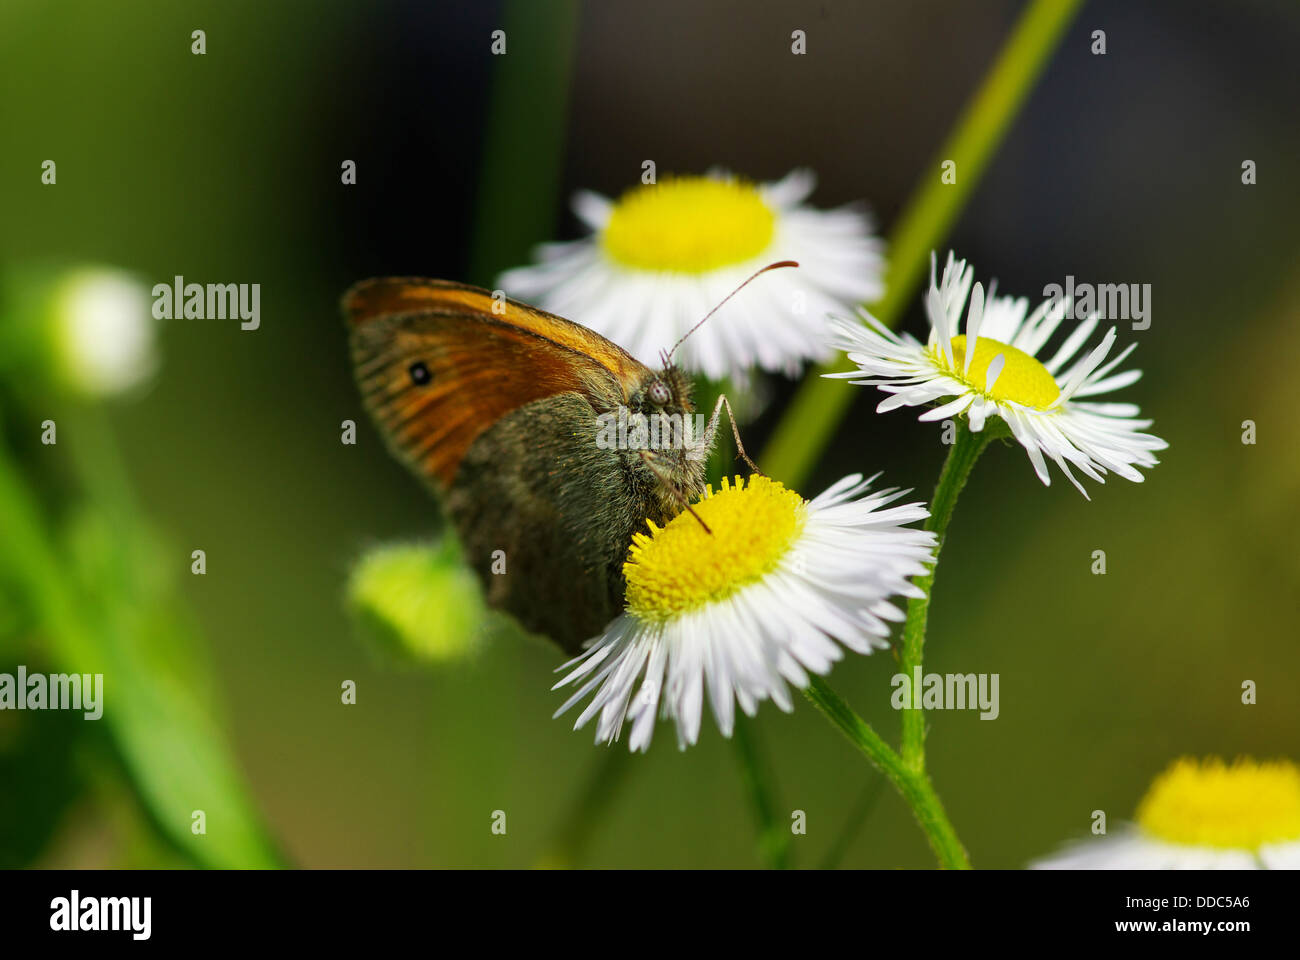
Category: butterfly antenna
[757,273]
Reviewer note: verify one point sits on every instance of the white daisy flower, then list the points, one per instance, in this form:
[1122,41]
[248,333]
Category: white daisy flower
[663,255]
[104,334]
[751,604]
[1042,402]
[1203,816]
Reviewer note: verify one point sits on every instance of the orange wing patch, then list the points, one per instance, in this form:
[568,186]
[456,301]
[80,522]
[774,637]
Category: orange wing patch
[436,367]
[396,295]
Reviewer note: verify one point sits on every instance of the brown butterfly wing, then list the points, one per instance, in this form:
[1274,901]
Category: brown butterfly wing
[437,366]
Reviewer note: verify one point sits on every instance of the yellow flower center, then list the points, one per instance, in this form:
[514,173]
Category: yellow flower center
[681,567]
[1243,806]
[1023,379]
[688,225]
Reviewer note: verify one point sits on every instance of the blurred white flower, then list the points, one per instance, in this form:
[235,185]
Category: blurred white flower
[104,333]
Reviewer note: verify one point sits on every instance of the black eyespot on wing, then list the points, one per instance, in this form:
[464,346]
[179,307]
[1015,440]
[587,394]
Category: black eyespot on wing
[419,373]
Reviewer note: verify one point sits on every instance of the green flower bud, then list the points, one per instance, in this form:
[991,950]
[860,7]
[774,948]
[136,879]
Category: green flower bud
[419,601]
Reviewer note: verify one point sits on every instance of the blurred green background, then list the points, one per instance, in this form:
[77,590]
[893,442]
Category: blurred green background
[225,168]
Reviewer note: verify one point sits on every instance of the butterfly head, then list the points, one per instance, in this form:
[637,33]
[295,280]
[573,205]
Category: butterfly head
[663,391]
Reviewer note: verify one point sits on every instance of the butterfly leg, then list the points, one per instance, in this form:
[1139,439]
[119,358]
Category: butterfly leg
[712,429]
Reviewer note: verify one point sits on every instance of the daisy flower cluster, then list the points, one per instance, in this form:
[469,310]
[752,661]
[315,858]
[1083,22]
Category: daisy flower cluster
[995,368]
[664,254]
[755,590]
[761,588]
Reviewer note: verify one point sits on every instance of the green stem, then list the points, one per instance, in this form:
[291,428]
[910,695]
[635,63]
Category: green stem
[820,404]
[165,732]
[966,449]
[522,160]
[907,771]
[773,837]
[612,768]
[857,817]
[915,786]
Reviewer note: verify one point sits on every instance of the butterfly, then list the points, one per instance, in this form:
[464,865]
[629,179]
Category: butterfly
[499,407]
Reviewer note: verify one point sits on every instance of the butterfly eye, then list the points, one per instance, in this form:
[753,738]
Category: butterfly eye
[419,373]
[659,393]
